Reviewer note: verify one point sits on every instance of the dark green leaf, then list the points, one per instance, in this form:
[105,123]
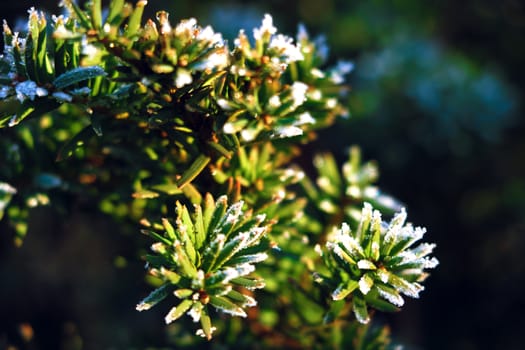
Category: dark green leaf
[155,297]
[194,170]
[30,109]
[44,67]
[96,123]
[360,310]
[19,64]
[223,151]
[77,75]
[229,249]
[377,302]
[77,141]
[8,108]
[47,181]
[158,237]
[157,260]
[30,57]
[335,309]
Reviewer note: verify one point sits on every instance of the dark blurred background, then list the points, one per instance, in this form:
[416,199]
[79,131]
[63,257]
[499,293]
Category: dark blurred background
[436,99]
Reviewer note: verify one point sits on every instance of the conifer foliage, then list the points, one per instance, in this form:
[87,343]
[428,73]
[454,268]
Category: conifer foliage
[195,140]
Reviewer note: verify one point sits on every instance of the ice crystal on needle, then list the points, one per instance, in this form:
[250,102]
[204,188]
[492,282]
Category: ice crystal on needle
[215,274]
[266,30]
[377,262]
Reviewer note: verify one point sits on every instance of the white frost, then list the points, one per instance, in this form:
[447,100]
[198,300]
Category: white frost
[430,263]
[62,96]
[394,299]
[249,134]
[284,46]
[302,33]
[331,103]
[365,265]
[225,105]
[4,91]
[349,242]
[201,333]
[234,212]
[185,27]
[7,188]
[207,34]
[142,306]
[288,131]
[305,118]
[317,73]
[266,29]
[274,101]
[337,75]
[299,93]
[183,78]
[26,89]
[195,312]
[365,284]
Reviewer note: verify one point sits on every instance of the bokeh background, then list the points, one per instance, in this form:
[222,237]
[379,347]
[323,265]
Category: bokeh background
[436,99]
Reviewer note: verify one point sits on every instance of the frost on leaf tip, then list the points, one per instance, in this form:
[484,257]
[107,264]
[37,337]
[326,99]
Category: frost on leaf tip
[266,30]
[212,255]
[379,258]
[143,306]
